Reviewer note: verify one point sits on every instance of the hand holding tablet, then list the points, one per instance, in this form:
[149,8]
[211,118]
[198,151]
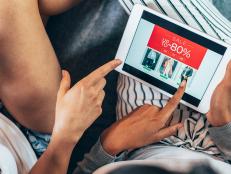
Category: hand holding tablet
[220,110]
[161,52]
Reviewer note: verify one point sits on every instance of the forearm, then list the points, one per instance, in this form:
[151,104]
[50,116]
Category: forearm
[222,138]
[56,158]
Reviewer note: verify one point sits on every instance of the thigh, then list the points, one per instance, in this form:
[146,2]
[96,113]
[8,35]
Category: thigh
[53,7]
[29,70]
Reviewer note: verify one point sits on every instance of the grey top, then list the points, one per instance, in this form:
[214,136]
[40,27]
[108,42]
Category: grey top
[98,157]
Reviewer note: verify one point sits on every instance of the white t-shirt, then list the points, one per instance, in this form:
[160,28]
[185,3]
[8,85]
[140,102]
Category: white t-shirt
[16,154]
[7,161]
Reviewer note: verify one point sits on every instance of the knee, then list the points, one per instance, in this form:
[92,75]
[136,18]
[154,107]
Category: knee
[51,7]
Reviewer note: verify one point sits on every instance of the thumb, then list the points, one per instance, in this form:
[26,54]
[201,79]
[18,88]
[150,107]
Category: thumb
[167,132]
[64,84]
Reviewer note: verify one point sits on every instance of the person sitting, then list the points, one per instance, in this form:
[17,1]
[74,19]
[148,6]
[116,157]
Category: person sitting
[200,140]
[72,117]
[146,122]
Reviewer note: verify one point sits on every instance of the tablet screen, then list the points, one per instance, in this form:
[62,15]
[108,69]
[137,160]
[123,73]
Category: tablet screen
[163,54]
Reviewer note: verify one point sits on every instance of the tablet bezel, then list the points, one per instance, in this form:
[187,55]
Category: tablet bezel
[127,39]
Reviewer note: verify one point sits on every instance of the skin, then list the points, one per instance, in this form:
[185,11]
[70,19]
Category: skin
[73,117]
[29,71]
[220,112]
[29,90]
[54,7]
[145,125]
[149,121]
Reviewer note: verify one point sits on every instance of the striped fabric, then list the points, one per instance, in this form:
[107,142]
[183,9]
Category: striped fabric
[199,14]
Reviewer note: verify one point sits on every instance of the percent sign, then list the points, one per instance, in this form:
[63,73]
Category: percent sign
[187,52]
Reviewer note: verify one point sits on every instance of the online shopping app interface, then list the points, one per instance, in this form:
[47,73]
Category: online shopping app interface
[170,58]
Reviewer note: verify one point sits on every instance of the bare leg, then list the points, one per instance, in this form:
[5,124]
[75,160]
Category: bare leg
[29,70]
[52,7]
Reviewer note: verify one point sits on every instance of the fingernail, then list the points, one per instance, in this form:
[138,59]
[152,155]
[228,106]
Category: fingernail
[183,83]
[118,61]
[180,126]
[63,72]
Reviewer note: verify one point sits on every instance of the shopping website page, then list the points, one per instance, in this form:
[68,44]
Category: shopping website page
[168,58]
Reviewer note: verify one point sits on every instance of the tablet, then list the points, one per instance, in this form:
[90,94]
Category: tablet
[161,52]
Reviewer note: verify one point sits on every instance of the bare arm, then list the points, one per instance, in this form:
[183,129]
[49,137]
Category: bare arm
[56,158]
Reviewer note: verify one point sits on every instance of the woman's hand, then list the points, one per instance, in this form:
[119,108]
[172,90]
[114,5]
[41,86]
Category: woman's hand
[220,108]
[77,108]
[145,125]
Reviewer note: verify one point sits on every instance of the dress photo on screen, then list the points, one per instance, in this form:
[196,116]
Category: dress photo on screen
[161,52]
[150,60]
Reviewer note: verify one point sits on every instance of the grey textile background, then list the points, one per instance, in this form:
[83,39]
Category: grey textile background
[84,38]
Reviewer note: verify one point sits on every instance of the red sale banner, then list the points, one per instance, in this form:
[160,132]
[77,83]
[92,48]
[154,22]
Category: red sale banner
[177,47]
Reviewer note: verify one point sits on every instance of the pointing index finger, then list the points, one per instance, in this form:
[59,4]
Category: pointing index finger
[167,111]
[102,71]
